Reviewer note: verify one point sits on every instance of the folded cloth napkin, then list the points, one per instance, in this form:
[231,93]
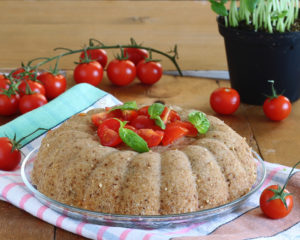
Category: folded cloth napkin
[246,222]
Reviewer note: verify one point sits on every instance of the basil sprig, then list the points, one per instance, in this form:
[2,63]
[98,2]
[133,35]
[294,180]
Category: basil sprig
[200,121]
[131,139]
[155,110]
[126,106]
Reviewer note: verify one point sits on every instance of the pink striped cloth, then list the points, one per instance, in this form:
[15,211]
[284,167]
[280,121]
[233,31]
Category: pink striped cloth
[13,190]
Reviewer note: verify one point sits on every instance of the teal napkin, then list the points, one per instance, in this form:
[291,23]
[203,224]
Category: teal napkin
[73,101]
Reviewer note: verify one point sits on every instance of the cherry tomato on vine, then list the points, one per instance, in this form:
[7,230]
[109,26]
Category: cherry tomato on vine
[34,87]
[136,54]
[23,74]
[98,55]
[225,100]
[9,104]
[278,108]
[31,101]
[54,84]
[275,208]
[10,157]
[149,72]
[121,72]
[91,72]
[4,82]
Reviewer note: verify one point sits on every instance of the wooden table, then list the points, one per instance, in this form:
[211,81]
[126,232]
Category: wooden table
[42,26]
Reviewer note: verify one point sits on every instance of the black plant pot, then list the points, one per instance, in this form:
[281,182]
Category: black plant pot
[253,58]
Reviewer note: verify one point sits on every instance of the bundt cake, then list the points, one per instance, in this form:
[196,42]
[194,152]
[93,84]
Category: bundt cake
[191,174]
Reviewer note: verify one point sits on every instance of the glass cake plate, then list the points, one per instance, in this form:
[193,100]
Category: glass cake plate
[135,221]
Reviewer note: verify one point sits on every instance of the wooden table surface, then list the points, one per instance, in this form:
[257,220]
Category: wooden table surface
[32,29]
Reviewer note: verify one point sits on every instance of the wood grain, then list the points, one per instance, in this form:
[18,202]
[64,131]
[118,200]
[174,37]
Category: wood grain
[31,29]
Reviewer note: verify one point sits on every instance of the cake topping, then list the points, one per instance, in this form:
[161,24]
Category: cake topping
[146,127]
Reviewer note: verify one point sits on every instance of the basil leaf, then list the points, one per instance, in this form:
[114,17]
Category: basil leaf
[133,140]
[199,120]
[126,106]
[155,110]
[219,8]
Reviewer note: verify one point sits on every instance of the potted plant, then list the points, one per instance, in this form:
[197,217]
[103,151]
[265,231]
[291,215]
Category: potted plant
[262,42]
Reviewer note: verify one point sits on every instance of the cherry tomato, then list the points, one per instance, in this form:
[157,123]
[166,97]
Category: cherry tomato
[108,132]
[277,108]
[275,208]
[136,54]
[98,118]
[33,85]
[9,105]
[144,111]
[192,131]
[31,101]
[143,121]
[4,82]
[91,73]
[23,74]
[153,138]
[121,72]
[129,115]
[225,100]
[173,132]
[148,72]
[169,115]
[131,128]
[9,158]
[99,55]
[54,84]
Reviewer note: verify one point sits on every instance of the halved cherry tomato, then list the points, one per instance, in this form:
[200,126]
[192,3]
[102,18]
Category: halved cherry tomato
[192,131]
[144,111]
[34,87]
[108,132]
[169,115]
[131,128]
[129,115]
[153,138]
[135,54]
[99,55]
[143,121]
[173,132]
[98,118]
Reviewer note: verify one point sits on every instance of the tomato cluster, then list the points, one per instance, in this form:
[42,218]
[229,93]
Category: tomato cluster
[24,90]
[140,122]
[134,62]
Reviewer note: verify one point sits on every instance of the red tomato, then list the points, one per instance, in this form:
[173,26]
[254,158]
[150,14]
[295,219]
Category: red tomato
[54,84]
[275,208]
[153,138]
[129,115]
[143,121]
[9,158]
[169,115]
[98,118]
[108,132]
[4,82]
[136,54]
[131,128]
[192,131]
[144,111]
[33,85]
[91,73]
[277,108]
[31,101]
[23,74]
[121,72]
[9,105]
[99,55]
[173,132]
[149,72]
[225,100]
